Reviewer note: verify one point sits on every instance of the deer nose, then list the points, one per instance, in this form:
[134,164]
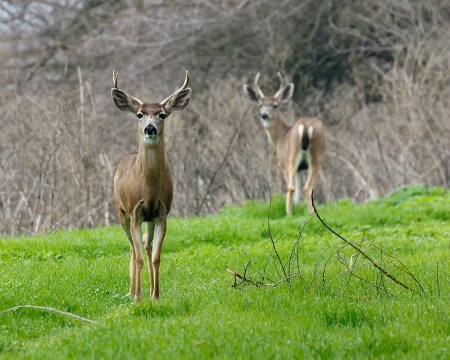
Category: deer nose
[150,130]
[265,116]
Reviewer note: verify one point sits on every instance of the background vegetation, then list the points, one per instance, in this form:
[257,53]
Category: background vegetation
[327,311]
[377,72]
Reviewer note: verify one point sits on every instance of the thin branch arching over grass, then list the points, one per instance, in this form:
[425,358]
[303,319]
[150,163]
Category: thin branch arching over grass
[350,264]
[44,308]
[367,257]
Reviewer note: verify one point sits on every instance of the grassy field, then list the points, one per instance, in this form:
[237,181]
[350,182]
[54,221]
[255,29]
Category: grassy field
[335,305]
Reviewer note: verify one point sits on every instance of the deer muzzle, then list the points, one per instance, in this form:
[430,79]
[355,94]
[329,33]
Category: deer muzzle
[150,131]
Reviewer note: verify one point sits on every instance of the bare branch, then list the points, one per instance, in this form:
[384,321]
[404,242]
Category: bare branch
[373,262]
[44,308]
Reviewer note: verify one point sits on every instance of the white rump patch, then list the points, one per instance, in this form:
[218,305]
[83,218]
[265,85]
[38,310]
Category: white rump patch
[300,131]
[303,155]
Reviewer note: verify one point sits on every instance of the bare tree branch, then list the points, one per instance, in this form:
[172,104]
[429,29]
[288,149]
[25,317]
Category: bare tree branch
[43,308]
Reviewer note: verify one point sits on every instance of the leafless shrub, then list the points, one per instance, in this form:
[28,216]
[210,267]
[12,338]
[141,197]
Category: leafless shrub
[56,172]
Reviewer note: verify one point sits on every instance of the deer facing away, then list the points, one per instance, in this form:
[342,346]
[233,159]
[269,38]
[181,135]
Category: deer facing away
[143,188]
[298,147]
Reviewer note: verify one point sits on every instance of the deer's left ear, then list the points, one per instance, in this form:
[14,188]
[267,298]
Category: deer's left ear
[286,93]
[179,101]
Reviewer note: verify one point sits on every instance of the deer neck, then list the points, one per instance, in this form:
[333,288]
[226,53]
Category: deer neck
[151,164]
[277,131]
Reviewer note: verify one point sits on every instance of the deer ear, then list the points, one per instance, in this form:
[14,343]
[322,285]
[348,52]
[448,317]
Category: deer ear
[286,93]
[250,93]
[124,101]
[179,101]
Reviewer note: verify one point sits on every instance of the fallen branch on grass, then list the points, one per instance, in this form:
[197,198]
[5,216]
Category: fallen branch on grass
[47,309]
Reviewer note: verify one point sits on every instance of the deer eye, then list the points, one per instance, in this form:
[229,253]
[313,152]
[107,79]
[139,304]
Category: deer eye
[274,106]
[162,116]
[140,115]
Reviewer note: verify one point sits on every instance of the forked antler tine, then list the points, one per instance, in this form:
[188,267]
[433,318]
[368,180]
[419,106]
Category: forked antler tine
[281,85]
[115,76]
[261,95]
[186,82]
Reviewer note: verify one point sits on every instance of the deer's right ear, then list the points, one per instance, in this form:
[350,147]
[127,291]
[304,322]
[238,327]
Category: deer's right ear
[250,93]
[179,101]
[124,101]
[286,94]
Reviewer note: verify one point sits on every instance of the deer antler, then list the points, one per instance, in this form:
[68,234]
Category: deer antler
[186,82]
[280,89]
[261,95]
[134,100]
[115,77]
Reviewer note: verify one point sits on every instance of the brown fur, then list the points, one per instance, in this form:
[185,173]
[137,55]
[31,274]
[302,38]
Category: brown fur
[143,187]
[287,140]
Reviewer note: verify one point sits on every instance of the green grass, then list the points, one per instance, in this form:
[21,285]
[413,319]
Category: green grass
[324,313]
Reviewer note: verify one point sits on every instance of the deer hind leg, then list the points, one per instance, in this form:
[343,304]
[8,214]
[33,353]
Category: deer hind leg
[136,233]
[298,186]
[309,185]
[290,192]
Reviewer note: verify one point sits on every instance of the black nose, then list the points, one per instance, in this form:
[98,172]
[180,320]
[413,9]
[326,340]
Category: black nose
[265,116]
[150,130]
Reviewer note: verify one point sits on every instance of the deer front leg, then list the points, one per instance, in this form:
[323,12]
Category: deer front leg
[158,239]
[132,271]
[125,222]
[136,233]
[148,241]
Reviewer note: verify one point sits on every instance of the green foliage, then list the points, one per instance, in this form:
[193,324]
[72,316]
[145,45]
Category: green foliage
[324,313]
